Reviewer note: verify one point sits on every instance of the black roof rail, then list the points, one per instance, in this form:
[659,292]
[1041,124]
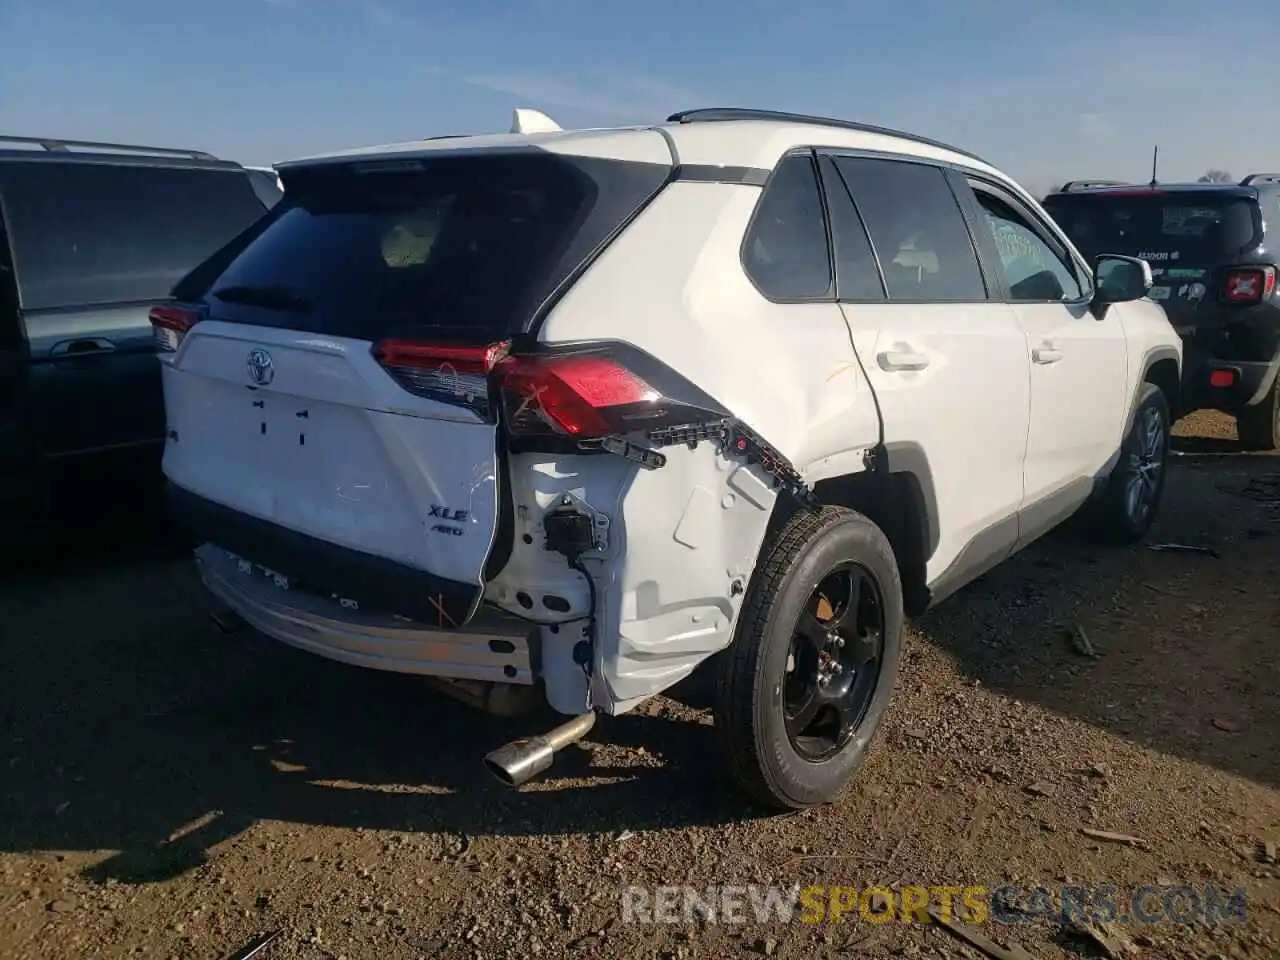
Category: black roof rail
[1253,178]
[1086,184]
[708,114]
[56,145]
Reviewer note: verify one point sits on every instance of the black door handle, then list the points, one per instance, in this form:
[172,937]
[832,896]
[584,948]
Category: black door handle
[83,347]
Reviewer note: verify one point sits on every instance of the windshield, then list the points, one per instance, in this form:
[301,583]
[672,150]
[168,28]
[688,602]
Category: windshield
[1159,228]
[470,243]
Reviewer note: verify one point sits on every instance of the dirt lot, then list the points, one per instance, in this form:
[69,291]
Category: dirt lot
[171,792]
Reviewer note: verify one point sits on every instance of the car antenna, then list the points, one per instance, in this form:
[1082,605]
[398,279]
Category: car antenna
[1155,161]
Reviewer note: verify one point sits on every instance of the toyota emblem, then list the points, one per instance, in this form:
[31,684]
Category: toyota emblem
[259,365]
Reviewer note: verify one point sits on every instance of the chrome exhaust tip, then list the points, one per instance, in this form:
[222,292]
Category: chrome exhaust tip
[520,761]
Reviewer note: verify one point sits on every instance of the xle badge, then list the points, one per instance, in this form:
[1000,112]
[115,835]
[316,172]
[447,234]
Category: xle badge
[444,513]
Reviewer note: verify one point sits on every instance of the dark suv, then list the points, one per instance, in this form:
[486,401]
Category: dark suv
[92,235]
[1214,249]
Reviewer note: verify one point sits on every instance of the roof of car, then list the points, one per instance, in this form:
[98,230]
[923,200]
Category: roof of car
[61,150]
[1243,190]
[714,137]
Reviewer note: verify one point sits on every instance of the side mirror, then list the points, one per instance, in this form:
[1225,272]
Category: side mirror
[1118,279]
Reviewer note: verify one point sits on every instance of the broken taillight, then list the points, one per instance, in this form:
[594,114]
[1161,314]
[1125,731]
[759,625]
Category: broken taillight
[583,392]
[603,396]
[457,375]
[169,324]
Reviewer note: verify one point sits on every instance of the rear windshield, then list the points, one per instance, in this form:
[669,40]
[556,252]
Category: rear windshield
[468,244]
[1198,228]
[97,233]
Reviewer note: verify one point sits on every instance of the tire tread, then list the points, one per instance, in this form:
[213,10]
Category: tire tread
[735,715]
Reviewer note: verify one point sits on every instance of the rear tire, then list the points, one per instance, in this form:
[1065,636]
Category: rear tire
[1128,505]
[796,712]
[1258,427]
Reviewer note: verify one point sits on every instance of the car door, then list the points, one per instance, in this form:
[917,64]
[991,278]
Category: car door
[947,361]
[96,242]
[1078,358]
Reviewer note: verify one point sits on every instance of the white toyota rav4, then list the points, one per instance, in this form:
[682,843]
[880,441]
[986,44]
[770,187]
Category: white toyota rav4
[559,416]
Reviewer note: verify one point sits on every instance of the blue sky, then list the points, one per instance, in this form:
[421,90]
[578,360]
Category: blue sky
[1047,90]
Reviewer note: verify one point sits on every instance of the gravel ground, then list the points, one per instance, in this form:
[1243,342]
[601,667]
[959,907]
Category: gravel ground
[172,792]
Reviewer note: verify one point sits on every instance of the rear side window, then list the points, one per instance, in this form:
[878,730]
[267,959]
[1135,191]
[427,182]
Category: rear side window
[785,251]
[917,229]
[94,233]
[468,244]
[1163,228]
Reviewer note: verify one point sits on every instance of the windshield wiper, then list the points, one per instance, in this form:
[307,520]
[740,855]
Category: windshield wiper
[271,297]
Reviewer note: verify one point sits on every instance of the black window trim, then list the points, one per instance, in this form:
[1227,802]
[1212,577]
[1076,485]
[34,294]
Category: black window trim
[811,155]
[825,184]
[990,277]
[1059,246]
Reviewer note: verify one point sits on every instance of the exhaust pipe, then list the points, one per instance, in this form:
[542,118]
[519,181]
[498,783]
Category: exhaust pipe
[521,760]
[496,699]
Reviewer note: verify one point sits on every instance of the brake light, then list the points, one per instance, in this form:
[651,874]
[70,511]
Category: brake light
[1249,285]
[457,375]
[586,396]
[169,325]
[583,392]
[1222,378]
[604,396]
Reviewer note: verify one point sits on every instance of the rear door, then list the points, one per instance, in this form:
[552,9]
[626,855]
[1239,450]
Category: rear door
[947,360]
[337,391]
[96,243]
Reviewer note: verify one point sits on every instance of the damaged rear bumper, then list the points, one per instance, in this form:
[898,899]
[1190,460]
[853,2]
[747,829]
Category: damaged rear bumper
[494,646]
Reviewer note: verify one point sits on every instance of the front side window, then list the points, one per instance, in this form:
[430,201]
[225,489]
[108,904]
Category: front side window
[917,229]
[1033,271]
[785,252]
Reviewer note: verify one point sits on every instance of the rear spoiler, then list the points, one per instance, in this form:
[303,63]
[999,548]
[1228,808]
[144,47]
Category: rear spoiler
[1253,178]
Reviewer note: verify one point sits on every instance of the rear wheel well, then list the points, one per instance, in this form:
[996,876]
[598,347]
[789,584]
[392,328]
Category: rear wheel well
[1164,374]
[895,503]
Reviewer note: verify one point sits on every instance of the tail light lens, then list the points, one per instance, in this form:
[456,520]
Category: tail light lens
[1249,285]
[171,324]
[607,397]
[584,396]
[578,393]
[457,375]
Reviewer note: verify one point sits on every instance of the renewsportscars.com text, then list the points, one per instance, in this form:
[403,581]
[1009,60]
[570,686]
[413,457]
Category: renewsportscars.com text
[912,904]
